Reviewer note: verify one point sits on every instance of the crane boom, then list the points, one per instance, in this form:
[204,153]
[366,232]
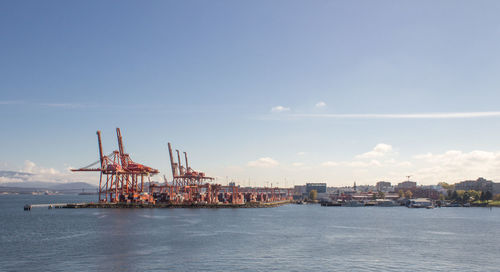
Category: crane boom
[99,142]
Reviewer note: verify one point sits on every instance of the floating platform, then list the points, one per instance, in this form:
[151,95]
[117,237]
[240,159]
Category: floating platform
[157,205]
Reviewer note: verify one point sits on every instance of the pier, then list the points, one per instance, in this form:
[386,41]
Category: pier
[119,205]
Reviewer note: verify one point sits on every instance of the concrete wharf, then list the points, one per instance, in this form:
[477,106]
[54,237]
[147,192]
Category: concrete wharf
[120,205]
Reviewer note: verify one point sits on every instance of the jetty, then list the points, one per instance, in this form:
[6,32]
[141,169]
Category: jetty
[119,205]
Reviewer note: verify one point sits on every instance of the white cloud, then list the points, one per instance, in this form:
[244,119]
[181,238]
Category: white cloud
[363,163]
[32,168]
[456,165]
[10,179]
[320,104]
[297,164]
[31,172]
[450,115]
[279,109]
[264,162]
[379,150]
[301,153]
[330,163]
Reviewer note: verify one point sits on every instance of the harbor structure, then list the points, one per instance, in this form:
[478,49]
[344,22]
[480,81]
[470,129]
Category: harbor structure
[124,181]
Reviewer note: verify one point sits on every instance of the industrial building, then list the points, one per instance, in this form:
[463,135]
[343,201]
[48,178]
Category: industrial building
[319,187]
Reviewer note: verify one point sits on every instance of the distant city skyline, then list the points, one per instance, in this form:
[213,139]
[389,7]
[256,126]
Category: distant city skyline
[282,92]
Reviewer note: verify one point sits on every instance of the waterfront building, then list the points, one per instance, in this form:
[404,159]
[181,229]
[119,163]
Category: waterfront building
[481,184]
[406,185]
[319,187]
[383,186]
[425,192]
[299,189]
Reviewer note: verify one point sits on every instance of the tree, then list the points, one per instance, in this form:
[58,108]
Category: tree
[449,194]
[488,195]
[466,197]
[401,193]
[447,186]
[454,195]
[381,195]
[496,197]
[441,197]
[483,196]
[313,194]
[474,195]
[408,194]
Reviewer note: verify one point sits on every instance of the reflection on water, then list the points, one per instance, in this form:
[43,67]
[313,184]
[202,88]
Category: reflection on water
[288,238]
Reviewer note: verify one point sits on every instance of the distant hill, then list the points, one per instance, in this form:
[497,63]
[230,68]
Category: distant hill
[14,174]
[50,185]
[73,186]
[26,185]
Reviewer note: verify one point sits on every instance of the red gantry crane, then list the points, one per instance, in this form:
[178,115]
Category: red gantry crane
[121,179]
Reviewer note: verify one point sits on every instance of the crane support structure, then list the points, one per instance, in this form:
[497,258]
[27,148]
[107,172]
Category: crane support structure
[121,179]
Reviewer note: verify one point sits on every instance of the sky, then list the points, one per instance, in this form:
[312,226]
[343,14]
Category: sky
[256,92]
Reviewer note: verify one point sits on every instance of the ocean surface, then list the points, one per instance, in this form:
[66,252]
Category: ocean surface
[287,238]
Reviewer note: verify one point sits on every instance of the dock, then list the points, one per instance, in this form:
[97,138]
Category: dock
[120,205]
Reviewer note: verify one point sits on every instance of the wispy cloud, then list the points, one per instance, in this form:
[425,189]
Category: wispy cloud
[11,102]
[330,163]
[65,105]
[265,162]
[279,109]
[450,115]
[49,104]
[320,104]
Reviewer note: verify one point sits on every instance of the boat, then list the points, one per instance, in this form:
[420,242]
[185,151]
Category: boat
[419,203]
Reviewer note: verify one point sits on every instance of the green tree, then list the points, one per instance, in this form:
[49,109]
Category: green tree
[496,197]
[408,194]
[482,196]
[446,186]
[460,195]
[449,194]
[441,197]
[454,196]
[381,195]
[401,193]
[488,195]
[313,194]
[474,195]
[466,197]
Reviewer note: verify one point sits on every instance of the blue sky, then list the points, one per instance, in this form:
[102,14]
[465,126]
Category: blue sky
[206,76]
